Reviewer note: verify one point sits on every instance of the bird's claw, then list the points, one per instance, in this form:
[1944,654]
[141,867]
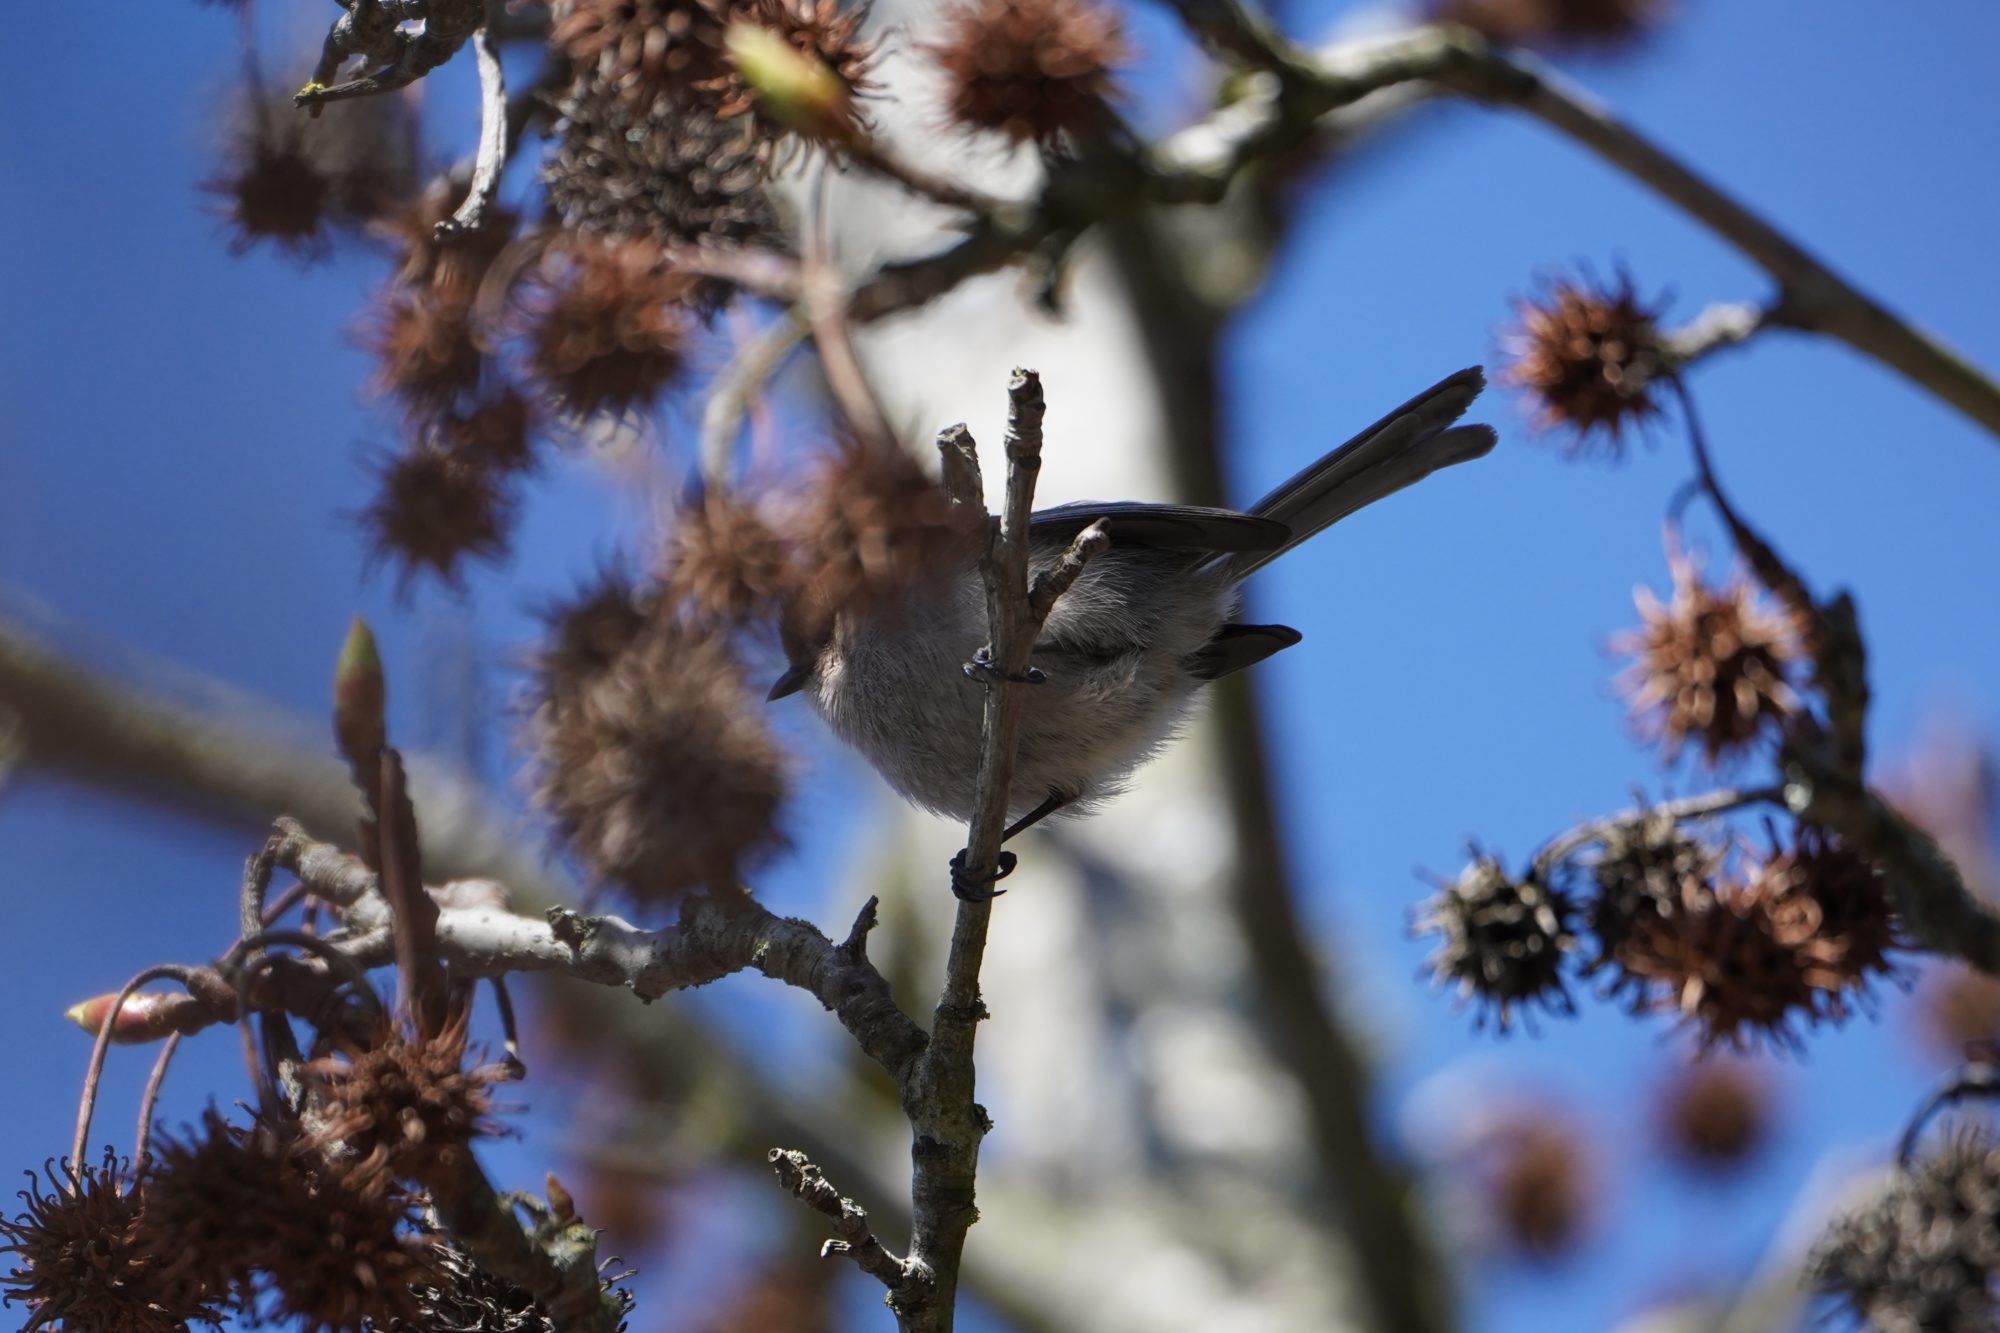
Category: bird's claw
[970,888]
[983,668]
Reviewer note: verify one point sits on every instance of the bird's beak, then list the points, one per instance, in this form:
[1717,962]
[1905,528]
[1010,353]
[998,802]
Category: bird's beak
[790,683]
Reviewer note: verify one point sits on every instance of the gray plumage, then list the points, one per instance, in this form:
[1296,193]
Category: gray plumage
[1126,649]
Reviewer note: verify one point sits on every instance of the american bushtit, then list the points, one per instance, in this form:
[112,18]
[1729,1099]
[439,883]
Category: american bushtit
[1125,649]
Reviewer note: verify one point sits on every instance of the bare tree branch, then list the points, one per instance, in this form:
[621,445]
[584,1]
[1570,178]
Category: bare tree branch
[810,1186]
[491,158]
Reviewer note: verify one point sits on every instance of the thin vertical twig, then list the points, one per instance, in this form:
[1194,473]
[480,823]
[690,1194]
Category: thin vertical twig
[946,1122]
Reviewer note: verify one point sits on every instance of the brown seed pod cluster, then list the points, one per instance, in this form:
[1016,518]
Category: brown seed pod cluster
[250,1212]
[313,1221]
[1711,666]
[82,1258]
[1032,71]
[1502,942]
[1744,948]
[1923,1254]
[469,432]
[1796,940]
[1552,23]
[1590,357]
[655,761]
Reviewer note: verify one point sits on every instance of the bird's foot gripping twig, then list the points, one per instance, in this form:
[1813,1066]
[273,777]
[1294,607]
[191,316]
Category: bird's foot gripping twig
[971,888]
[983,668]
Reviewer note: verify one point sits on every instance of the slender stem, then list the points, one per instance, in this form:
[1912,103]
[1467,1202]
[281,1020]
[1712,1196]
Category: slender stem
[151,1097]
[491,159]
[756,360]
[1568,844]
[87,1104]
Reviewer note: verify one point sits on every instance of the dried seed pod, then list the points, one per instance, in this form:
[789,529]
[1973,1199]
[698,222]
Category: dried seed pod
[1591,357]
[875,526]
[403,1109]
[607,324]
[433,510]
[1710,665]
[656,763]
[1644,872]
[1715,1115]
[83,1258]
[1502,943]
[1030,70]
[1923,1255]
[724,563]
[1538,1185]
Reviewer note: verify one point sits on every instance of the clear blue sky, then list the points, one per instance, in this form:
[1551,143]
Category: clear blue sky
[178,447]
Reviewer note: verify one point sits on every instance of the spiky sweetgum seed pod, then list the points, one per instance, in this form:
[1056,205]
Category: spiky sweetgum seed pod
[404,1109]
[875,527]
[724,562]
[1644,872]
[272,189]
[1710,665]
[1590,357]
[658,770]
[258,1210]
[81,1259]
[585,635]
[426,346]
[1924,1254]
[206,1192]
[608,325]
[1502,942]
[1730,961]
[434,511]
[1859,927]
[337,1259]
[1030,70]
[643,49]
[1715,1114]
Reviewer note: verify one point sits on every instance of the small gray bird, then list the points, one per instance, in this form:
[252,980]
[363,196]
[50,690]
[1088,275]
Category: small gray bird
[1125,649]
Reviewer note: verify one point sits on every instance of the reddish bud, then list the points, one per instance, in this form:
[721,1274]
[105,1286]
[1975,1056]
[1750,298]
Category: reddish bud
[146,1016]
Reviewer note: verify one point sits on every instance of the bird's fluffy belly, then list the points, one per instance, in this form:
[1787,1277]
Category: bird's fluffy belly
[897,691]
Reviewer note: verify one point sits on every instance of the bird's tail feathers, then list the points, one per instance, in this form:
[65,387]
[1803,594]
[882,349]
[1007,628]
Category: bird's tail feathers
[1400,450]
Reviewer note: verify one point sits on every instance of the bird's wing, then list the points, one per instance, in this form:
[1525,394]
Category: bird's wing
[1173,527]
